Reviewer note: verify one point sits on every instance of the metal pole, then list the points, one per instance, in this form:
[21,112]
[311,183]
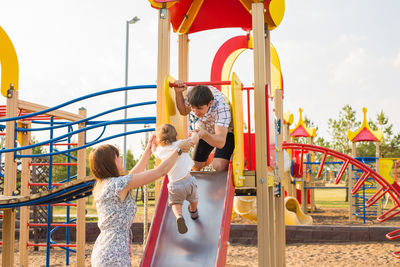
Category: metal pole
[126,92]
[132,21]
[145,198]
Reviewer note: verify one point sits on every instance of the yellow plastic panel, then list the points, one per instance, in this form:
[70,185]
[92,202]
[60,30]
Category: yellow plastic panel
[237,117]
[385,166]
[9,63]
[276,73]
[156,4]
[190,16]
[288,118]
[172,115]
[276,13]
[227,68]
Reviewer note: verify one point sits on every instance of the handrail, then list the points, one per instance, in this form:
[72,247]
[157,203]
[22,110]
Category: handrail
[80,99]
[142,119]
[87,144]
[61,124]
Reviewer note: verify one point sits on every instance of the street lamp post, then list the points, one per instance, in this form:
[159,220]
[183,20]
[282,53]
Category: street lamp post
[132,21]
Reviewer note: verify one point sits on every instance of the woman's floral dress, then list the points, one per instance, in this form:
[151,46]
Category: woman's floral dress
[112,247]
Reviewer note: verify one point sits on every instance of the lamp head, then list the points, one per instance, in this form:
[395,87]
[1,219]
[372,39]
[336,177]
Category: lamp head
[133,20]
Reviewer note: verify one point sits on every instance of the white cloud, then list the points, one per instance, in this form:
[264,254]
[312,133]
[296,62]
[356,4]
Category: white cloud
[397,60]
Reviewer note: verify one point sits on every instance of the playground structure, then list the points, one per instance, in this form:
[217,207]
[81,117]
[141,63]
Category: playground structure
[264,171]
[22,118]
[56,193]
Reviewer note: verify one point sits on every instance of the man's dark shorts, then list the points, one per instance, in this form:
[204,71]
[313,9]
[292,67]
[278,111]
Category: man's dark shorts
[203,149]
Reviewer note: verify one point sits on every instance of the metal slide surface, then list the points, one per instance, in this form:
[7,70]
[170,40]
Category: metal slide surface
[199,246]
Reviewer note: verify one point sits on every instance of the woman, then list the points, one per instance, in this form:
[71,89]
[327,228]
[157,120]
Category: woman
[116,208]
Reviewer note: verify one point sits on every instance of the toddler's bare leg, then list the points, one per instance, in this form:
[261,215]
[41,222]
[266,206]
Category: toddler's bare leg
[192,206]
[194,214]
[177,210]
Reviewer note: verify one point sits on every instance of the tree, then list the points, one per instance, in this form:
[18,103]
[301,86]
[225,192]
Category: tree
[338,129]
[390,145]
[130,160]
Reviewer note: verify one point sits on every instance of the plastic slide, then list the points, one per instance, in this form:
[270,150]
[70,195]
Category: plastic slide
[293,213]
[205,242]
[246,207]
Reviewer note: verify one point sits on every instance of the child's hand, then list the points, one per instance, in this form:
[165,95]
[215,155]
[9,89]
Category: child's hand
[180,86]
[185,146]
[201,133]
[194,139]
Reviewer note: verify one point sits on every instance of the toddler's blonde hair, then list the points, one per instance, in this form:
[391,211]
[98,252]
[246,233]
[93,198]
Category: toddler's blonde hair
[166,134]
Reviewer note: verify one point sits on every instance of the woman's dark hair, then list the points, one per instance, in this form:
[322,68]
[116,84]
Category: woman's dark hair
[102,161]
[166,134]
[199,95]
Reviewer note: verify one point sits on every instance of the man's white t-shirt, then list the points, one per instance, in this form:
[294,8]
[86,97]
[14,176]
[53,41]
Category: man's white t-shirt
[183,164]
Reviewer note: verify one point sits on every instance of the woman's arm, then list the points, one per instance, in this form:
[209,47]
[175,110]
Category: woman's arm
[144,160]
[141,178]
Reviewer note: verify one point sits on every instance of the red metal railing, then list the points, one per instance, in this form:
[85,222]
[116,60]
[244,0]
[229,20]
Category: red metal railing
[386,188]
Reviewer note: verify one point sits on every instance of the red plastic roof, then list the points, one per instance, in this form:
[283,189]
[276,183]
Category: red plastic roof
[213,14]
[365,135]
[300,132]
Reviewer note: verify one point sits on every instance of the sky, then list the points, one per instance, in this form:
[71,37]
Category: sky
[332,53]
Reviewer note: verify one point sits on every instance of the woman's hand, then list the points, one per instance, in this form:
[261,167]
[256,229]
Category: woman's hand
[185,145]
[151,142]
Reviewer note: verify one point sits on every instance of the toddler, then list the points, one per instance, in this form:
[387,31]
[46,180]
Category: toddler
[182,185]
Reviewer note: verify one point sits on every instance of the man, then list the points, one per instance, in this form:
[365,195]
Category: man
[214,123]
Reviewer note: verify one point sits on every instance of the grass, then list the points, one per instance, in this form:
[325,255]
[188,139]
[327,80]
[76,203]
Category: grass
[331,198]
[91,212]
[324,198]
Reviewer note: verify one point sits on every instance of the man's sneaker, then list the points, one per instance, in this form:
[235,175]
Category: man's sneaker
[180,222]
[194,214]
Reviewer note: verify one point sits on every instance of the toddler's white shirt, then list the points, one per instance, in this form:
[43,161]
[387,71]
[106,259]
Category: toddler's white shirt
[183,164]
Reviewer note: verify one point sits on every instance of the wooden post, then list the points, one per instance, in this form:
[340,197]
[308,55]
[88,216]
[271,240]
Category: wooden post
[163,67]
[270,133]
[10,180]
[311,180]
[286,176]
[24,210]
[183,69]
[81,173]
[378,186]
[263,215]
[304,201]
[351,184]
[280,200]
